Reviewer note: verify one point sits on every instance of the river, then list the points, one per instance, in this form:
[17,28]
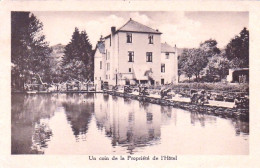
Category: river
[104,124]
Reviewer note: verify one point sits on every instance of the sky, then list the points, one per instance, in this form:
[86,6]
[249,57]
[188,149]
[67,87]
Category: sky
[185,29]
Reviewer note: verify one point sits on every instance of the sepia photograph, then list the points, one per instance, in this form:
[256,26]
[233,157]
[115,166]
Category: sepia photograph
[130,82]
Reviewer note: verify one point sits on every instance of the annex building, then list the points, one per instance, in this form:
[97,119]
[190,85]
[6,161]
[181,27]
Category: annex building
[134,54]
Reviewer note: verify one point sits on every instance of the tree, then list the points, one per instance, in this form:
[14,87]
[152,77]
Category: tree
[183,66]
[192,62]
[180,64]
[56,62]
[78,53]
[237,50]
[210,47]
[29,50]
[217,66]
[198,60]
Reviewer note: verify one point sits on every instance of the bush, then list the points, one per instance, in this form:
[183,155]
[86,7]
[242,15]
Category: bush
[226,87]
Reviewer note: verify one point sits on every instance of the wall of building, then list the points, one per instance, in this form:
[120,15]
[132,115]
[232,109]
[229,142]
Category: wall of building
[140,45]
[171,68]
[98,73]
[116,55]
[111,58]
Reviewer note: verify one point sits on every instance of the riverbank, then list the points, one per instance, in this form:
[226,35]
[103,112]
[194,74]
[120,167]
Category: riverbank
[216,108]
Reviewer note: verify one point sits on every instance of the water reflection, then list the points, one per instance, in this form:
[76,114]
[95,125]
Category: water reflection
[78,111]
[29,132]
[125,125]
[104,124]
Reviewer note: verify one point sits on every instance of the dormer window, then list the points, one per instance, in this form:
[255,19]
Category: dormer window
[129,37]
[150,38]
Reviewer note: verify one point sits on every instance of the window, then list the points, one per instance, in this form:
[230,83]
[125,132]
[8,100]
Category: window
[162,81]
[108,66]
[127,82]
[129,37]
[167,55]
[150,38]
[130,56]
[149,57]
[100,64]
[130,70]
[163,68]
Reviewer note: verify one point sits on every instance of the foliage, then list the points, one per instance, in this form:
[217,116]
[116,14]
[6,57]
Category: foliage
[78,60]
[237,50]
[192,62]
[217,66]
[209,61]
[227,87]
[56,61]
[210,47]
[29,50]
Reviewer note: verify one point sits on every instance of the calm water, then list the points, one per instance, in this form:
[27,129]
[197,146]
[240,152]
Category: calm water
[103,124]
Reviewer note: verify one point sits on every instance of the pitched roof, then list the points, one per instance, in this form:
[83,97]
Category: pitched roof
[101,47]
[167,48]
[134,26]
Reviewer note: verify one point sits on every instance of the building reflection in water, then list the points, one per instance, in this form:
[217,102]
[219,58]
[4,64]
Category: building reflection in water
[125,124]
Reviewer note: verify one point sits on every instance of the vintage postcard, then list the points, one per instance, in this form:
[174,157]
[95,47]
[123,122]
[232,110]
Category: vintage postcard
[173,83]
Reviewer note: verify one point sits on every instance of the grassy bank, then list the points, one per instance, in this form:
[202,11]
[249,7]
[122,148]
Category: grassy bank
[218,87]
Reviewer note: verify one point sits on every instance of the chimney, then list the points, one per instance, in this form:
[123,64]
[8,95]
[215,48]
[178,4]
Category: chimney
[101,38]
[113,30]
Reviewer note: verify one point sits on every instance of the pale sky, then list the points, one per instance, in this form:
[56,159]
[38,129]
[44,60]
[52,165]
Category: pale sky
[185,29]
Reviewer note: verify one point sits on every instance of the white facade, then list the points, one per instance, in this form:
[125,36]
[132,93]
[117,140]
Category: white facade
[169,64]
[133,54]
[99,65]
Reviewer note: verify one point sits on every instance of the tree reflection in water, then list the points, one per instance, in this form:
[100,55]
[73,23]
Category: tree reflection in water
[125,125]
[240,127]
[201,118]
[27,129]
[41,135]
[79,109]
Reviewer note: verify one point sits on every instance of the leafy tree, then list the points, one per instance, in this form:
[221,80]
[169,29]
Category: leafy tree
[180,64]
[237,50]
[183,66]
[78,53]
[192,62]
[210,47]
[29,50]
[218,65]
[56,62]
[198,60]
